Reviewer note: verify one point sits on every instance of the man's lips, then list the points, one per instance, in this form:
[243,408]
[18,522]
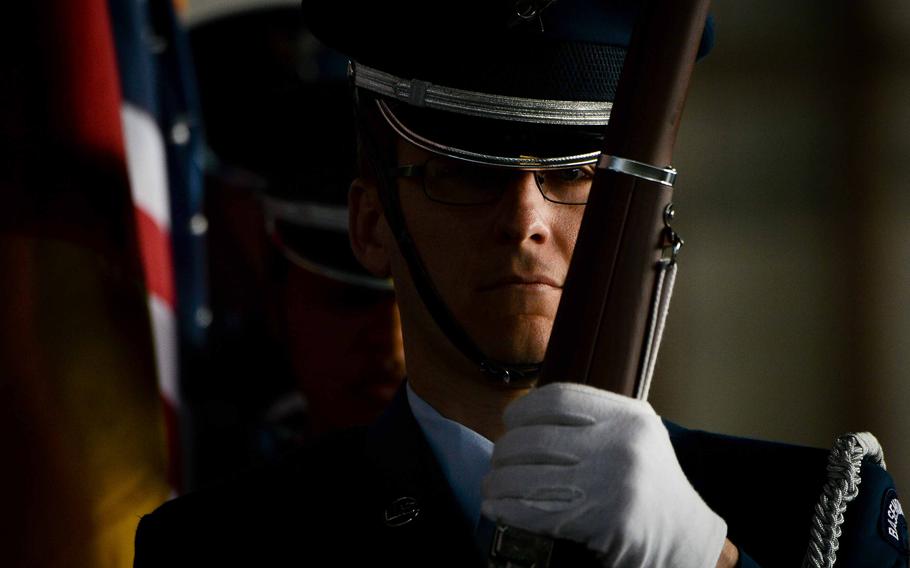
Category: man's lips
[520,280]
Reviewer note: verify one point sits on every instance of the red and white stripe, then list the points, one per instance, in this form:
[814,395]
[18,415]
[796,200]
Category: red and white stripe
[147,168]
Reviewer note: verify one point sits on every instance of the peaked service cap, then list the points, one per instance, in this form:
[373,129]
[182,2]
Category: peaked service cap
[474,81]
[278,105]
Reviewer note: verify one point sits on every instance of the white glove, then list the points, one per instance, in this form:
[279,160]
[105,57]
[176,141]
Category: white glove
[587,465]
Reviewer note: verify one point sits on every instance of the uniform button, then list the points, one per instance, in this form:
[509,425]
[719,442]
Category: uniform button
[401,511]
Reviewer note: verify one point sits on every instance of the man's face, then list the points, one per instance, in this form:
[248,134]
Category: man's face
[499,267]
[345,347]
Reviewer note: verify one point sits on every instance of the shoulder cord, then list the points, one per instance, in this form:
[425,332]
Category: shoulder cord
[844,464]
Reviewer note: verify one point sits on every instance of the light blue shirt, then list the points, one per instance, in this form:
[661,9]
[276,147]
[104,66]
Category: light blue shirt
[463,454]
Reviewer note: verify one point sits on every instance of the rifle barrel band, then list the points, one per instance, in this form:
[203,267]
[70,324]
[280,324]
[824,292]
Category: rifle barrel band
[664,176]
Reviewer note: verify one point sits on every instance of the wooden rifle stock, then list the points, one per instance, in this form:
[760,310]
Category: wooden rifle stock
[599,332]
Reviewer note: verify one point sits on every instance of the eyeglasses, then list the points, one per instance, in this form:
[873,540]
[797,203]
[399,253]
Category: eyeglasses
[456,182]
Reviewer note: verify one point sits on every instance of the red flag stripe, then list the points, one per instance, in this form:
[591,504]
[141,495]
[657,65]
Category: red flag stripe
[172,429]
[155,247]
[85,75]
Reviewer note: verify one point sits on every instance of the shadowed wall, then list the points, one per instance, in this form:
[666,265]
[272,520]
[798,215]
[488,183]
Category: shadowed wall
[791,318]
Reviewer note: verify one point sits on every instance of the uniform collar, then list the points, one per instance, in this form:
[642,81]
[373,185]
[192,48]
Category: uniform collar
[413,499]
[463,454]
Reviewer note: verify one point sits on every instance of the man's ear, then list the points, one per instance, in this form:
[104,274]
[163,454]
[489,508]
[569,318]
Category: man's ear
[371,238]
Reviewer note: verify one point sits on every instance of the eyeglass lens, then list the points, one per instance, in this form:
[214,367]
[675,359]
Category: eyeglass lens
[463,183]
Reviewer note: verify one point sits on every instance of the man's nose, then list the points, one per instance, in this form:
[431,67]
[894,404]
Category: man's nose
[522,211]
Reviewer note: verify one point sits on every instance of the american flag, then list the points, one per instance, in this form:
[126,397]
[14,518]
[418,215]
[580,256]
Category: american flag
[164,151]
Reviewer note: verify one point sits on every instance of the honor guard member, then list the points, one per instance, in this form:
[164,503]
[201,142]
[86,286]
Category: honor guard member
[308,340]
[479,132]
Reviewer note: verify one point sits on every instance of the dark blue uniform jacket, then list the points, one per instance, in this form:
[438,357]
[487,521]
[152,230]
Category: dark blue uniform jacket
[338,503]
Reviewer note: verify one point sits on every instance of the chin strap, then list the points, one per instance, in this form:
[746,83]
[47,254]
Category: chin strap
[454,332]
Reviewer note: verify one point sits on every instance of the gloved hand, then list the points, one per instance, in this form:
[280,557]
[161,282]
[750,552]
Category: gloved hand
[595,467]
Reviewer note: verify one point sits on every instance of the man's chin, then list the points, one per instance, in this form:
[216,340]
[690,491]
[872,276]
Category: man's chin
[529,351]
